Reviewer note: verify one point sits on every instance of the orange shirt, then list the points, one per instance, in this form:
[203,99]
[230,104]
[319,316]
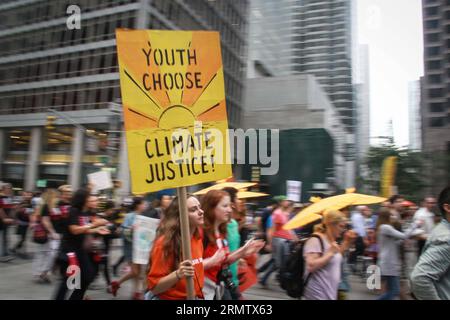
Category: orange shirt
[161,267]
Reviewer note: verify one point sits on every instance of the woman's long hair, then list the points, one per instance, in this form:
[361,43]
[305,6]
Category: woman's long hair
[170,228]
[384,217]
[80,198]
[49,199]
[209,204]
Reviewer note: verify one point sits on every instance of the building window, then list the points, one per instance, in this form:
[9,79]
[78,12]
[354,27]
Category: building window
[435,93]
[432,37]
[431,11]
[434,65]
[437,107]
[57,140]
[433,51]
[437,122]
[435,78]
[432,24]
[17,140]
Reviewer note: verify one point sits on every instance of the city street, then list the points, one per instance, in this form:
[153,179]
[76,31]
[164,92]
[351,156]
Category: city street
[210,136]
[16,282]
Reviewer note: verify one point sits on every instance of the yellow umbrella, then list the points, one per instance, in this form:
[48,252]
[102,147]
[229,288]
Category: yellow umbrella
[301,219]
[332,203]
[249,194]
[220,186]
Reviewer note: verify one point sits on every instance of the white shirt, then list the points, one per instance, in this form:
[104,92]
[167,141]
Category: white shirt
[358,223]
[427,217]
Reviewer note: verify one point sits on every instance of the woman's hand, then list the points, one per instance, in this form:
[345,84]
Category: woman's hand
[102,231]
[100,222]
[253,246]
[186,269]
[219,257]
[55,236]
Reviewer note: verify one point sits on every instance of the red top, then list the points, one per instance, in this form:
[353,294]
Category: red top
[161,267]
[210,250]
[6,202]
[279,218]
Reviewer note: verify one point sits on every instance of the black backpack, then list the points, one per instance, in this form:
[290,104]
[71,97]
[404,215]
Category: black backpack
[293,270]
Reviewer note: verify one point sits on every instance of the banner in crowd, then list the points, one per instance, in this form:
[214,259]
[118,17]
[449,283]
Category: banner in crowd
[173,97]
[143,237]
[100,180]
[294,190]
[388,172]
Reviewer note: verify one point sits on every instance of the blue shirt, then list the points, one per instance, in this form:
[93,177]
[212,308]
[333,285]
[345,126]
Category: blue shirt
[269,222]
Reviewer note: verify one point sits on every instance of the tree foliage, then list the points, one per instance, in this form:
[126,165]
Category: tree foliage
[410,177]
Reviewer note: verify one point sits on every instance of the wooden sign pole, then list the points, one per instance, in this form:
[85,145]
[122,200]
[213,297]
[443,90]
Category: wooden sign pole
[185,237]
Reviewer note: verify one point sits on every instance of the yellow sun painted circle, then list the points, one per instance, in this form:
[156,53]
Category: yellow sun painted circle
[176,116]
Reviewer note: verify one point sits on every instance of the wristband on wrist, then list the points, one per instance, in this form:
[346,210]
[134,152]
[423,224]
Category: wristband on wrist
[176,273]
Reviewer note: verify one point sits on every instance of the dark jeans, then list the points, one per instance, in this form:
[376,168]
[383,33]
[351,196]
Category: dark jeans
[104,262]
[280,252]
[271,267]
[22,232]
[392,288]
[266,265]
[4,231]
[359,251]
[87,275]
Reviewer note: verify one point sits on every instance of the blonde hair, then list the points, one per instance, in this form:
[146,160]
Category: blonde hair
[49,198]
[330,217]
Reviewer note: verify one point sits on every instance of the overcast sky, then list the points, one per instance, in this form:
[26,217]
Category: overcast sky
[393,31]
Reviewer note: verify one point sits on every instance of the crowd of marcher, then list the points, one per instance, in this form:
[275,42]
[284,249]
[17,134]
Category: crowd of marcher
[73,232]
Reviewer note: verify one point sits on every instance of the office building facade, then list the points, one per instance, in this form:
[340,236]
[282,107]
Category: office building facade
[48,70]
[435,101]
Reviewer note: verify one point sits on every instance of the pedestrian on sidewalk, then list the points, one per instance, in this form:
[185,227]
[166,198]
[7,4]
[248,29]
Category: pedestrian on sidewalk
[430,279]
[323,257]
[23,214]
[389,252]
[138,206]
[281,239]
[105,242]
[7,207]
[45,254]
[82,223]
[426,216]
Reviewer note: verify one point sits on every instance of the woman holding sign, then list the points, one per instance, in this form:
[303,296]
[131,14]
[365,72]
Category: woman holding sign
[167,270]
[218,282]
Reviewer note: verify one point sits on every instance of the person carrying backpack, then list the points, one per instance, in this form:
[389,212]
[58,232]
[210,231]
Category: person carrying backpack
[317,261]
[281,239]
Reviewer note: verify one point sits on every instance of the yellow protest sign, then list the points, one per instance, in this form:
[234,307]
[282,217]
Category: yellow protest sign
[173,98]
[388,172]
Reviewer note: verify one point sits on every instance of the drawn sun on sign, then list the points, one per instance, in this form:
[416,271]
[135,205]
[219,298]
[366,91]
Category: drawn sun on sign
[178,106]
